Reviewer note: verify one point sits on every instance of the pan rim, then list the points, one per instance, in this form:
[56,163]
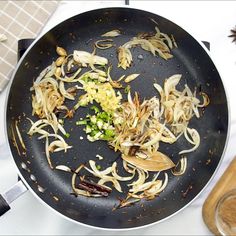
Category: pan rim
[98,227]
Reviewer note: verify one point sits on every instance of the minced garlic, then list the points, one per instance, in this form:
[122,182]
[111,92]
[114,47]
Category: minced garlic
[102,93]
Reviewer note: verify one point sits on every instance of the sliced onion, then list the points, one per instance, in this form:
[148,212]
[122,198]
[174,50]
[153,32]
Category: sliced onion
[157,187]
[14,141]
[71,79]
[154,139]
[182,168]
[171,83]
[57,146]
[154,189]
[141,179]
[44,72]
[86,58]
[112,33]
[19,135]
[33,128]
[154,44]
[195,140]
[103,175]
[167,38]
[64,92]
[129,168]
[141,187]
[124,57]
[159,89]
[113,180]
[63,168]
[131,77]
[128,202]
[118,177]
[206,100]
[99,173]
[104,44]
[63,143]
[121,78]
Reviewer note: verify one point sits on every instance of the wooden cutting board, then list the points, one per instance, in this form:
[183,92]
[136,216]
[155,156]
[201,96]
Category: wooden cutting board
[226,183]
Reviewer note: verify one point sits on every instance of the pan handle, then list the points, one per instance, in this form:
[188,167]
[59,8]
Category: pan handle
[9,196]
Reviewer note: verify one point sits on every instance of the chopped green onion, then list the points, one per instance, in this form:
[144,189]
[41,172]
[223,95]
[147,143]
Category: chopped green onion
[88,129]
[93,119]
[98,167]
[109,133]
[127,89]
[85,78]
[82,103]
[100,124]
[104,116]
[94,132]
[93,126]
[102,67]
[81,122]
[96,109]
[106,138]
[67,135]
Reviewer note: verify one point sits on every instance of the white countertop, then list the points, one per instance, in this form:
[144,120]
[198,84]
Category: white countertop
[205,20]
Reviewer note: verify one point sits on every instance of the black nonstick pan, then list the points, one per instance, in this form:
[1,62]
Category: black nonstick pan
[198,71]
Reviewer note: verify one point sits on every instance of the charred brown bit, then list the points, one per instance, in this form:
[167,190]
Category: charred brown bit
[56,198]
[14,141]
[70,113]
[133,150]
[72,90]
[127,202]
[208,161]
[64,110]
[116,84]
[184,194]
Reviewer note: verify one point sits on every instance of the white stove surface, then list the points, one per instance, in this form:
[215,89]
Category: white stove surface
[205,20]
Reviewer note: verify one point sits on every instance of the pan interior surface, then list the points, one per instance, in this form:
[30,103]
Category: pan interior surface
[190,60]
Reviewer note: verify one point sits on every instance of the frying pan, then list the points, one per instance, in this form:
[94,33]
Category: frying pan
[54,187]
